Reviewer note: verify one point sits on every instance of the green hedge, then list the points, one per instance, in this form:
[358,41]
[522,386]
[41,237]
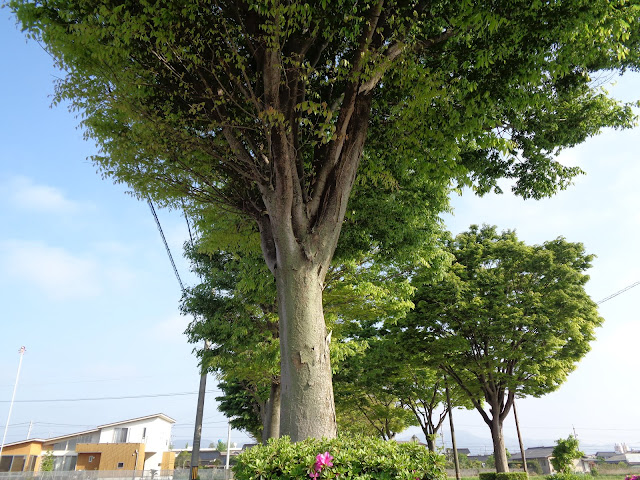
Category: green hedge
[354,458]
[565,476]
[503,476]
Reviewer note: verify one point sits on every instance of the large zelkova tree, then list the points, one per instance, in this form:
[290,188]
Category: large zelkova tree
[264,107]
[235,311]
[509,320]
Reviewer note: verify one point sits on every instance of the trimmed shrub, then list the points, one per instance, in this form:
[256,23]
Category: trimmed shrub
[359,458]
[503,476]
[511,476]
[487,475]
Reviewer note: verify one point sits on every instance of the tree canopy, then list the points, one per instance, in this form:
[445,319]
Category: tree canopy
[564,453]
[264,107]
[508,320]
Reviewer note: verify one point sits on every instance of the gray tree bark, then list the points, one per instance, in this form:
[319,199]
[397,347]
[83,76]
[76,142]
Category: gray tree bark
[499,452]
[307,408]
[271,417]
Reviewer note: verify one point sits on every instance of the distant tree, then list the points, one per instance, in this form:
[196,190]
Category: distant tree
[242,402]
[221,446]
[507,320]
[182,460]
[564,453]
[534,466]
[491,459]
[364,392]
[48,462]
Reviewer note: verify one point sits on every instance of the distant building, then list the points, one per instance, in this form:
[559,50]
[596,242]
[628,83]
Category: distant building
[629,458]
[605,455]
[461,451]
[543,456]
[210,457]
[137,444]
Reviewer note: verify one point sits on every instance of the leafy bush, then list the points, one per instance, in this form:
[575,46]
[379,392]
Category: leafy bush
[46,465]
[346,457]
[565,476]
[534,466]
[564,453]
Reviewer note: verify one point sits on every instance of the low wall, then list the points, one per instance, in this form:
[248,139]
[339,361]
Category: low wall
[204,473]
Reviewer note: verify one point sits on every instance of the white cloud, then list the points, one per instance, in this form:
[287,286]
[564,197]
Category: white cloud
[23,193]
[55,272]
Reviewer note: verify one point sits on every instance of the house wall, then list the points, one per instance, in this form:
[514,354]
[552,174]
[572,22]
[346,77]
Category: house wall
[153,461]
[88,461]
[168,461]
[155,433]
[31,448]
[113,454]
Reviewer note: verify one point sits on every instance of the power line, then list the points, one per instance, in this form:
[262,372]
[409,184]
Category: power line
[613,295]
[166,245]
[125,397]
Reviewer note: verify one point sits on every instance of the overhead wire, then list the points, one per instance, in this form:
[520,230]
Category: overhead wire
[123,397]
[166,245]
[613,295]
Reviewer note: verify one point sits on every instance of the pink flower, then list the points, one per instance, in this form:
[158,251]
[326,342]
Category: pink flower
[324,460]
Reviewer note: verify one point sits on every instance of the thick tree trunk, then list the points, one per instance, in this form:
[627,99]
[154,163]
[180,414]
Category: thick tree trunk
[499,452]
[271,422]
[431,443]
[307,408]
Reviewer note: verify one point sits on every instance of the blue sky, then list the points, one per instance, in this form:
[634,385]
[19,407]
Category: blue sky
[86,286]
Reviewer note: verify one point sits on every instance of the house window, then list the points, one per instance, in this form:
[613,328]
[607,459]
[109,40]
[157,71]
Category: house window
[120,465]
[18,463]
[144,433]
[120,435]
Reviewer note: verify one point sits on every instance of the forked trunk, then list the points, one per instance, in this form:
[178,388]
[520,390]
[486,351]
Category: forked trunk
[271,422]
[307,408]
[499,452]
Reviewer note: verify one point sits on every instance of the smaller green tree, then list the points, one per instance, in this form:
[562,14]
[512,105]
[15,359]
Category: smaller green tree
[491,459]
[47,462]
[182,459]
[564,453]
[221,446]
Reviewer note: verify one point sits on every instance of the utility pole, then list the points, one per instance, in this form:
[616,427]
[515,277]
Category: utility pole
[456,463]
[13,396]
[197,432]
[226,466]
[30,427]
[524,459]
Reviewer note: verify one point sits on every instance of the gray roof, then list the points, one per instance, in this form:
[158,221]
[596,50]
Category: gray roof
[605,454]
[480,458]
[535,452]
[464,451]
[630,458]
